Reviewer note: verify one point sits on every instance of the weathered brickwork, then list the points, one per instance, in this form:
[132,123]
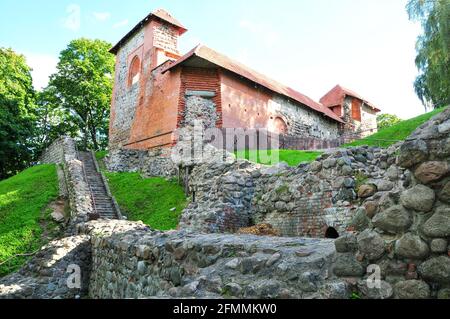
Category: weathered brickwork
[165,37]
[197,79]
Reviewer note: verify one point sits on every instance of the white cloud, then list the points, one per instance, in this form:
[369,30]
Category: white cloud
[121,24]
[43,66]
[102,16]
[73,19]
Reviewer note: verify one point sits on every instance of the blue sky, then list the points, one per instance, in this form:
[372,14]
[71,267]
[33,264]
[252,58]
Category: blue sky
[310,45]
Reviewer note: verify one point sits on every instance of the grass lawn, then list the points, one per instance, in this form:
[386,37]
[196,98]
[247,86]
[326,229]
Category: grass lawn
[99,155]
[398,132]
[292,157]
[23,199]
[155,201]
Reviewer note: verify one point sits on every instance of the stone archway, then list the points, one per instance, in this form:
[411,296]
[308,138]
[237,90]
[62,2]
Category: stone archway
[280,126]
[331,233]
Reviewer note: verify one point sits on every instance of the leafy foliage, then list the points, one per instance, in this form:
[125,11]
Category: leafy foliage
[17,105]
[22,201]
[387,120]
[433,51]
[52,120]
[79,94]
[155,201]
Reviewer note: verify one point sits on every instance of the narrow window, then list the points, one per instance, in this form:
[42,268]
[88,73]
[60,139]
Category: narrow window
[135,71]
[356,110]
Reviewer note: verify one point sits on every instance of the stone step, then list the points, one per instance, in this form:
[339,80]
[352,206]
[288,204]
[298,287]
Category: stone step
[103,203]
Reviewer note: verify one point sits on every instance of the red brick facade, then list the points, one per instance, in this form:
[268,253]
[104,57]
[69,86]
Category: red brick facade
[200,79]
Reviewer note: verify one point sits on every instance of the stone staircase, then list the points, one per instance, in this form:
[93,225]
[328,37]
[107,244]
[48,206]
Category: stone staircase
[104,206]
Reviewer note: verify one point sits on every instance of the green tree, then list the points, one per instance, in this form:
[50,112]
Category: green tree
[387,120]
[17,116]
[433,51]
[52,120]
[82,87]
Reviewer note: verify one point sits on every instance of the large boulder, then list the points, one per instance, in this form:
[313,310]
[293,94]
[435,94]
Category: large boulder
[366,190]
[419,198]
[371,244]
[346,243]
[412,247]
[444,194]
[438,226]
[431,171]
[436,270]
[346,265]
[395,219]
[438,245]
[360,221]
[412,289]
[384,291]
[412,152]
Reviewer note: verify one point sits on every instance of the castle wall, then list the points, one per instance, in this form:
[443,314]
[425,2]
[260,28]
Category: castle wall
[245,106]
[368,124]
[123,105]
[144,114]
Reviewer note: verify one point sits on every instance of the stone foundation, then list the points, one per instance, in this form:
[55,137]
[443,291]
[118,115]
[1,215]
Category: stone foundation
[149,163]
[130,261]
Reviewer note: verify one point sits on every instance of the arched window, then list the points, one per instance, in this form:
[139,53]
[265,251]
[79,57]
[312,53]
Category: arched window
[280,126]
[135,71]
[331,233]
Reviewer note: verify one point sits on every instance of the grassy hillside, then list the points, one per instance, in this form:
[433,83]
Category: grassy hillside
[155,201]
[23,199]
[398,132]
[292,157]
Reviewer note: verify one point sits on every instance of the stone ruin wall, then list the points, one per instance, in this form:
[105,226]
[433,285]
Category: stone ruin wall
[407,231]
[54,154]
[297,201]
[135,262]
[63,152]
[156,162]
[391,208]
[401,222]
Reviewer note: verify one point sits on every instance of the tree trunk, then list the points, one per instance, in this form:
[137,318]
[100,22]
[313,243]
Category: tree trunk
[94,138]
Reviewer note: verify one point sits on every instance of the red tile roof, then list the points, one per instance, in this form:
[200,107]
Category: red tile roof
[337,95]
[224,62]
[158,14]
